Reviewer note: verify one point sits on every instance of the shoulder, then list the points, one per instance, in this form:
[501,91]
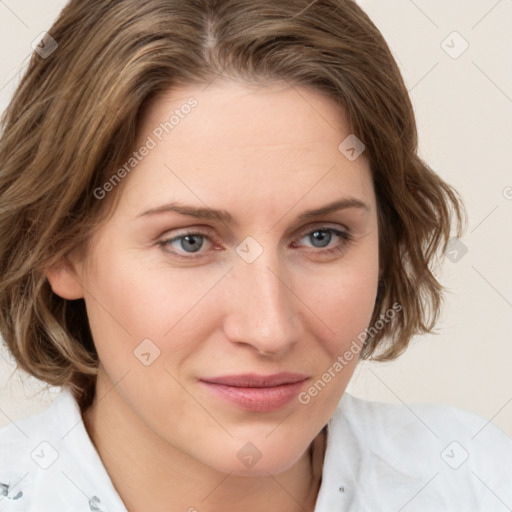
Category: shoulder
[48,463]
[438,419]
[397,425]
[434,454]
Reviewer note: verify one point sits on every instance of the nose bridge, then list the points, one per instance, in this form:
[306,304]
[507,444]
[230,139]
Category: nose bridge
[264,310]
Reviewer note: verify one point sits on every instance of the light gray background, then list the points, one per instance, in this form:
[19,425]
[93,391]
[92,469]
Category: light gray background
[464,113]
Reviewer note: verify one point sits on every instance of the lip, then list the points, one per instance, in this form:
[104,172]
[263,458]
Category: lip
[257,393]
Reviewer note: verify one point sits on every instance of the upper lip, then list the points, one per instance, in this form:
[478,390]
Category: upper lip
[253,380]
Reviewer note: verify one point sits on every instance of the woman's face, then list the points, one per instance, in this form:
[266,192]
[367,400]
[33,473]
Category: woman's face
[188,309]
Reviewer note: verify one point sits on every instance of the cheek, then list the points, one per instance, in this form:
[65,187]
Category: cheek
[343,298]
[132,302]
[345,304]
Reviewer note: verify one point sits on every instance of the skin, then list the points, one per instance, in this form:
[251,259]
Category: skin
[265,154]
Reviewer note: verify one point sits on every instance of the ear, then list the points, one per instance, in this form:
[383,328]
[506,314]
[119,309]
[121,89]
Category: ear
[64,280]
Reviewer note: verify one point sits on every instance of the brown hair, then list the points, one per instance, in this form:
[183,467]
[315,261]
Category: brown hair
[73,121]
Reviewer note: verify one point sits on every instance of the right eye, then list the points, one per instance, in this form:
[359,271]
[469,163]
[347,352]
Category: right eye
[189,243]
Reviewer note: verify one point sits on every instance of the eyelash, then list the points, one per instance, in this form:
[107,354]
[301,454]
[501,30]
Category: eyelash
[343,235]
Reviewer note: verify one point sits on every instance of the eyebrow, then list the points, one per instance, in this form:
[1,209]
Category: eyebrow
[224,216]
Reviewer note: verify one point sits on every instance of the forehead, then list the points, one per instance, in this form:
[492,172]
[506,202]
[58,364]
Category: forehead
[246,115]
[245,145]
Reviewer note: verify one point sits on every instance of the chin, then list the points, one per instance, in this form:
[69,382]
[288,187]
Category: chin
[246,459]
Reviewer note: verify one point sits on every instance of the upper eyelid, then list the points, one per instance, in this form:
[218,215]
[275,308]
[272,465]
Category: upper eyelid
[325,226]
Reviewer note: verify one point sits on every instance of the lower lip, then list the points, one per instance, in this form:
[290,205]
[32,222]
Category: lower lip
[257,399]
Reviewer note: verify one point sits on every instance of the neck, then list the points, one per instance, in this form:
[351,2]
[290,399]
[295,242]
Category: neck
[148,472]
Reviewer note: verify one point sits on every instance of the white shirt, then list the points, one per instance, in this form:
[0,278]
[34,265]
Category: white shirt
[379,457]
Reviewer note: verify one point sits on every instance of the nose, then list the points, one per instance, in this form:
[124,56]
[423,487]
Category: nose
[264,310]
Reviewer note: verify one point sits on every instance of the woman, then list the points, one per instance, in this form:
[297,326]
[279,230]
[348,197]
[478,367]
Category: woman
[211,211]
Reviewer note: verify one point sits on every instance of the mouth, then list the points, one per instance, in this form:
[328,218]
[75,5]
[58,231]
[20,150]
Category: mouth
[256,393]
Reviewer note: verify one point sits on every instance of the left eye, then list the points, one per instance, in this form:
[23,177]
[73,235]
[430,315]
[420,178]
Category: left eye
[320,236]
